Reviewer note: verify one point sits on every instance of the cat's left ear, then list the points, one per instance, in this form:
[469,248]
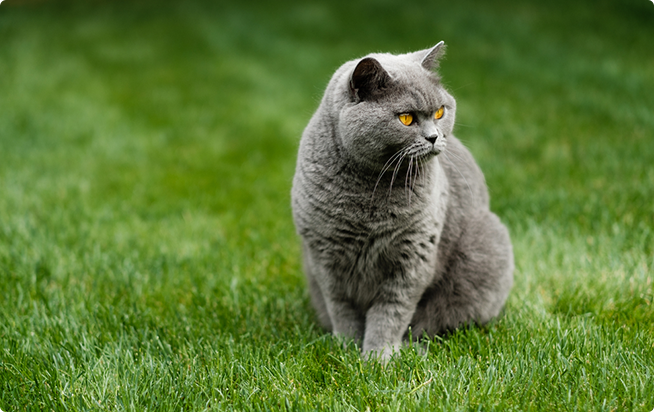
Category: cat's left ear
[430,57]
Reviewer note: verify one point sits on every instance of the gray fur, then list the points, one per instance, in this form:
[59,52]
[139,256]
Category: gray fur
[395,221]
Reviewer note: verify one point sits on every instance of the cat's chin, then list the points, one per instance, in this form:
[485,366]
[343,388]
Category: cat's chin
[437,149]
[429,154]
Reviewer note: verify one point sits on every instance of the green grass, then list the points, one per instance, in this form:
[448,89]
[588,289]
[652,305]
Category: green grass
[148,259]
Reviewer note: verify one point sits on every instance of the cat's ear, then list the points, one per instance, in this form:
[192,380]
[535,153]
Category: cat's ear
[368,80]
[431,56]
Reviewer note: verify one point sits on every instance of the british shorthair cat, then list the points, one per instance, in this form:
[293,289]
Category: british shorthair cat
[392,209]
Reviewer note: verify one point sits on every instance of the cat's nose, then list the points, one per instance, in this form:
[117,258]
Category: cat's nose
[432,139]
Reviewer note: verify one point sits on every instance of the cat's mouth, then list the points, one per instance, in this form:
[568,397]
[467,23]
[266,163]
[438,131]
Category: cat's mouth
[437,147]
[430,148]
[431,151]
[419,152]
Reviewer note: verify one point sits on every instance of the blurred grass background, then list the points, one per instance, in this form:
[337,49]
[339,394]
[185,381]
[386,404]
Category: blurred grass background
[147,255]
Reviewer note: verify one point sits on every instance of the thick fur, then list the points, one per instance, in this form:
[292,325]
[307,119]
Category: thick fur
[395,220]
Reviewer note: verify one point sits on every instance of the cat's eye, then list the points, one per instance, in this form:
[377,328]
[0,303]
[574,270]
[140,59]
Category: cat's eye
[406,118]
[439,112]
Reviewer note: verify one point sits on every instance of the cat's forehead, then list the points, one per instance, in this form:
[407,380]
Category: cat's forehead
[414,86]
[404,67]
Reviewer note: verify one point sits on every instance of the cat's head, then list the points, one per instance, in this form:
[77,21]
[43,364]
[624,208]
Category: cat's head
[395,105]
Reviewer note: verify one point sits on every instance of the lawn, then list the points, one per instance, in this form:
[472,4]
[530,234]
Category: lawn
[148,259]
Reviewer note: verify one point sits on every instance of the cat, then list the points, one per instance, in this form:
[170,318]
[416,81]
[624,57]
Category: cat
[393,211]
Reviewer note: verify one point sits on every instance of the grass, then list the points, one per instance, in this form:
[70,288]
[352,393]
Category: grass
[148,260]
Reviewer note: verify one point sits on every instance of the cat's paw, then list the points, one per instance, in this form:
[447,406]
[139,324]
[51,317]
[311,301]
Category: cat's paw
[382,355]
[385,354]
[347,342]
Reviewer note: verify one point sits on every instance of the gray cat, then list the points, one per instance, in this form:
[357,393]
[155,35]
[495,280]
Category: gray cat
[392,209]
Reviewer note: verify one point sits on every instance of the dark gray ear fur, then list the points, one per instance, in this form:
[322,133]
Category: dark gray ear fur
[432,56]
[369,79]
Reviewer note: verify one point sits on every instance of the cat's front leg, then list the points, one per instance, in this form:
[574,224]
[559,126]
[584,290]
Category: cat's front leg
[335,310]
[386,323]
[347,321]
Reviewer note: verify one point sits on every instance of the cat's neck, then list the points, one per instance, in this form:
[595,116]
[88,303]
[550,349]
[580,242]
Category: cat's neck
[409,181]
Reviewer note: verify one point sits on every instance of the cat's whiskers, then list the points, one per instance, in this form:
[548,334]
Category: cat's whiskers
[415,169]
[416,163]
[387,166]
[404,152]
[407,179]
[416,174]
[420,172]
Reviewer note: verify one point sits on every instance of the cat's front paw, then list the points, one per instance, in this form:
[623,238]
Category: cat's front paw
[347,342]
[383,354]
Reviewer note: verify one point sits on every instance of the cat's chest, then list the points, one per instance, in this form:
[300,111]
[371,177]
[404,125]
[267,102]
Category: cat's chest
[359,232]
[402,247]
[396,233]
[387,238]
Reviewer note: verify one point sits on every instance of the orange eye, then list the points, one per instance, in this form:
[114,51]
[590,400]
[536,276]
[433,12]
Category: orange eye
[406,119]
[439,112]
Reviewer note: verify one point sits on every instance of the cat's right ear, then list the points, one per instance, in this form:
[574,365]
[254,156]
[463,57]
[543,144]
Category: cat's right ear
[368,80]
[430,57]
